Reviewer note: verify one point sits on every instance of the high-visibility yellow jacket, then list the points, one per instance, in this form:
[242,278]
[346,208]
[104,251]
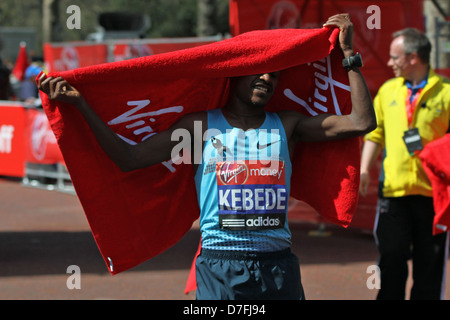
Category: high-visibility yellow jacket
[403,173]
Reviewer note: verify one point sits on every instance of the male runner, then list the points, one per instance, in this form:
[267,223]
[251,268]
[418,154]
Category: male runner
[243,182]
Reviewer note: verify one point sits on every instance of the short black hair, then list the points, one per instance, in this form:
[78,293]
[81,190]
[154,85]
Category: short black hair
[415,41]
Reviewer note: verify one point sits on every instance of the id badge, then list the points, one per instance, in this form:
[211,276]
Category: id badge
[412,140]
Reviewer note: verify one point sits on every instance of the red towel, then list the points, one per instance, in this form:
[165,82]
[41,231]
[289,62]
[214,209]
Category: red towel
[137,215]
[436,163]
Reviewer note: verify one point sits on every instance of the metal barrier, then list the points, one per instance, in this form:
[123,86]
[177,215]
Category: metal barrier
[48,176]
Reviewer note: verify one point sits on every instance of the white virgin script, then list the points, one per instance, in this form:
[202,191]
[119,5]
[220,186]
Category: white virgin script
[323,80]
[6,137]
[141,128]
[132,115]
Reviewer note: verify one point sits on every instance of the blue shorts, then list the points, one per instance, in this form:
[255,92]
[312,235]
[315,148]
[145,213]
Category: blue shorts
[232,275]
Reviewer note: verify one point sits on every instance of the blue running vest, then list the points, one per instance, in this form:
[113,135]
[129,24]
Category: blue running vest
[243,186]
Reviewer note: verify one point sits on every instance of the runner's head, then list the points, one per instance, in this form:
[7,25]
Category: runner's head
[254,90]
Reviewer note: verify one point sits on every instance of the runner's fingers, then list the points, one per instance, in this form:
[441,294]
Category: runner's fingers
[55,87]
[345,16]
[341,23]
[340,20]
[62,86]
[44,84]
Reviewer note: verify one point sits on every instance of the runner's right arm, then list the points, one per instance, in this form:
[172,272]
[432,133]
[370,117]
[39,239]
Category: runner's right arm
[127,157]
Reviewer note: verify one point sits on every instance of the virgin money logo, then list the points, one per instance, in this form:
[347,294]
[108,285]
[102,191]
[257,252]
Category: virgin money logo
[69,59]
[41,135]
[324,99]
[234,173]
[137,51]
[284,14]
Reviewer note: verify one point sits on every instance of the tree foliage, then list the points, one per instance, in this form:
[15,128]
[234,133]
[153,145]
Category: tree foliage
[169,18]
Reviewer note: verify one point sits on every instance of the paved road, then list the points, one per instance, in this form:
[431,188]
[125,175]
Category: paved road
[43,232]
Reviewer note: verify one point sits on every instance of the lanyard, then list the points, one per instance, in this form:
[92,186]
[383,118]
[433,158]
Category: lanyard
[411,103]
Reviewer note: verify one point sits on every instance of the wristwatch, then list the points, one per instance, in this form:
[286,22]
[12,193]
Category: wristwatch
[352,61]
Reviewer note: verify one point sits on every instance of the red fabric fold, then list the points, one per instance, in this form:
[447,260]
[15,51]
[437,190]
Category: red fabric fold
[435,158]
[137,215]
[22,63]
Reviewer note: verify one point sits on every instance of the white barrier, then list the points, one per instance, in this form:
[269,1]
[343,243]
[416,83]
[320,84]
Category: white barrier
[48,176]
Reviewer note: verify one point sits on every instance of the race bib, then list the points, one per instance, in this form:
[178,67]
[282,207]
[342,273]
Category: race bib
[252,194]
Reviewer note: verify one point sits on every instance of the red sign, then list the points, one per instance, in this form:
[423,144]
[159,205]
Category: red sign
[68,56]
[129,49]
[72,55]
[25,136]
[443,72]
[41,144]
[374,22]
[13,120]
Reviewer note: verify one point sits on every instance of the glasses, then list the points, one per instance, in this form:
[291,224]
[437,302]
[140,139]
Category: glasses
[395,58]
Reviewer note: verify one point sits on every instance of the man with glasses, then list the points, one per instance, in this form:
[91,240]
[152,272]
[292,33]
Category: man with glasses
[412,110]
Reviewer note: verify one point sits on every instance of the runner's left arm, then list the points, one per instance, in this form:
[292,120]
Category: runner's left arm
[362,118]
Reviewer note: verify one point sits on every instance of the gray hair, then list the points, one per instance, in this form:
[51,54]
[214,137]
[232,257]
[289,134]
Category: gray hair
[415,41]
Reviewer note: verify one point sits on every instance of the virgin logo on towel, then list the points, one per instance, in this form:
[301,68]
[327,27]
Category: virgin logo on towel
[325,89]
[137,124]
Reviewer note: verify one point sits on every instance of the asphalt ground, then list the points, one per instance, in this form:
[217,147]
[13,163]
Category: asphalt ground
[43,233]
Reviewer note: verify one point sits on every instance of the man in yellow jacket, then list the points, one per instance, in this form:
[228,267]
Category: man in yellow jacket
[412,110]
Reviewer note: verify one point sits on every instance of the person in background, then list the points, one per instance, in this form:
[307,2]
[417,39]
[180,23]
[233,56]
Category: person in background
[29,92]
[6,91]
[412,110]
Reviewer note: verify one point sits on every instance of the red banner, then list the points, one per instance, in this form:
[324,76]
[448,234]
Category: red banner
[13,120]
[25,136]
[22,62]
[72,55]
[129,49]
[41,145]
[443,72]
[374,22]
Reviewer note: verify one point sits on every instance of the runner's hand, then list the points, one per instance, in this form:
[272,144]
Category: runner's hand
[59,89]
[345,25]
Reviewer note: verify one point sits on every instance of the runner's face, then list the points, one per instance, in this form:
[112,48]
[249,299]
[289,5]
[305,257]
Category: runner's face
[256,90]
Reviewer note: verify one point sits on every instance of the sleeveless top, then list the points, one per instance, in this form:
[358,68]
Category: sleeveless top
[243,186]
